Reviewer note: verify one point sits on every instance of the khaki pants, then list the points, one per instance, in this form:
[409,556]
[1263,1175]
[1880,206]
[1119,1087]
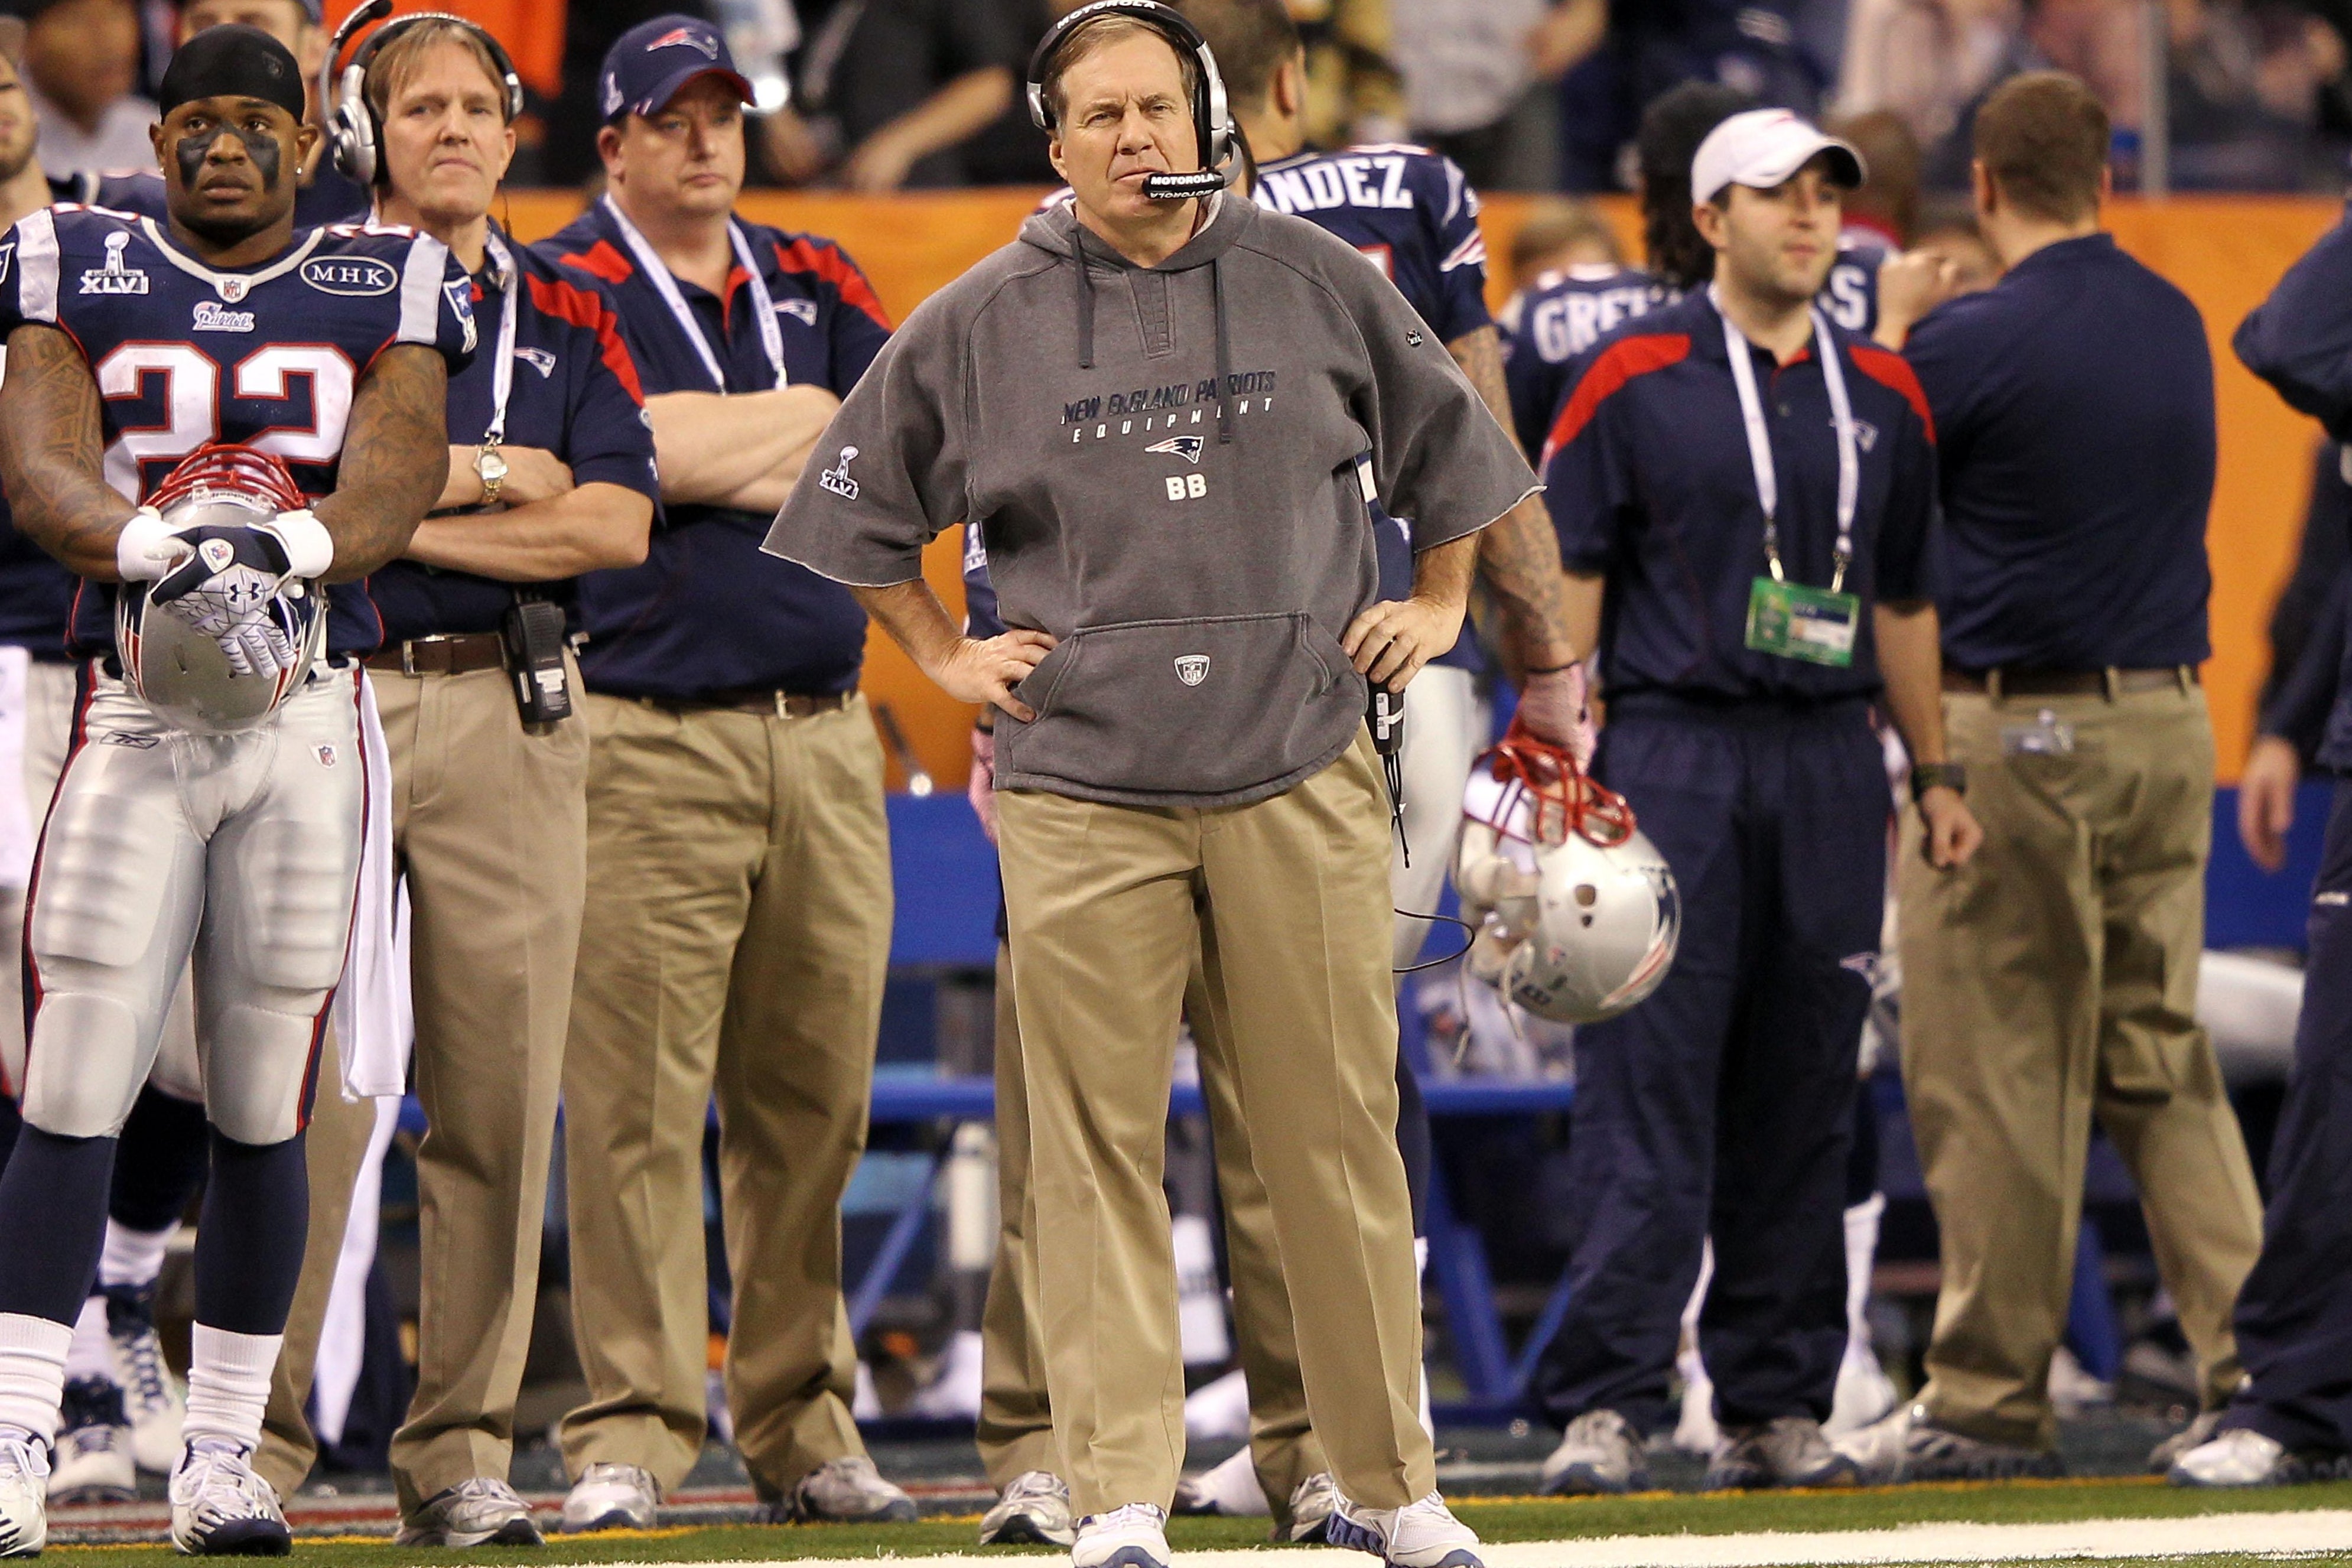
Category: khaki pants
[1287,901]
[2051,980]
[1016,1420]
[738,936]
[489,826]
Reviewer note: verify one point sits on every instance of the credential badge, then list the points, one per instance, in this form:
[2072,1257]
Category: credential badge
[836,478]
[1191,668]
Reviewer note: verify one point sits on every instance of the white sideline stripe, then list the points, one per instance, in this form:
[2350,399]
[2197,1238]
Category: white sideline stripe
[2287,1535]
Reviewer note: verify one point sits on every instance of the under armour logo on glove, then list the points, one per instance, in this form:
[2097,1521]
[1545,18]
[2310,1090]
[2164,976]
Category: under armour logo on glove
[229,590]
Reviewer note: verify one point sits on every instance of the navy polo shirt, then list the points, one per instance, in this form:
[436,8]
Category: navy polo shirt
[2075,405]
[710,611]
[1647,475]
[574,392]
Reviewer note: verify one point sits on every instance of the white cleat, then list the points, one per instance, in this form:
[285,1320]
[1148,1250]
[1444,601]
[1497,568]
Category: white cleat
[24,1498]
[1424,1534]
[611,1497]
[1035,1510]
[92,1459]
[2243,1457]
[1135,1536]
[221,1507]
[154,1400]
[1229,1489]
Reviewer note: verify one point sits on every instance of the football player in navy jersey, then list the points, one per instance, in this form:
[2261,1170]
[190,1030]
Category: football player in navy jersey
[1563,313]
[550,474]
[738,926]
[323,194]
[133,343]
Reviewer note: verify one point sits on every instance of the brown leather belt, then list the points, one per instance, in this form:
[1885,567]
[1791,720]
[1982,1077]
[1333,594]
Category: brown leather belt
[2109,683]
[762,700]
[461,654]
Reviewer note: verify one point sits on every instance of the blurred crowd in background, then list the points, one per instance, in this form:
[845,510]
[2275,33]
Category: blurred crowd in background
[1525,95]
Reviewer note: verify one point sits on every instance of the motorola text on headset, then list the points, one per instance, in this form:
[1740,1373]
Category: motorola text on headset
[354,138]
[1213,120]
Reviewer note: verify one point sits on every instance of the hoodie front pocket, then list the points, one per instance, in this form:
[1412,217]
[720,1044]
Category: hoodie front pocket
[1203,707]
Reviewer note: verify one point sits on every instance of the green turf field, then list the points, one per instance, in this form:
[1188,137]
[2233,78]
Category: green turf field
[1530,1520]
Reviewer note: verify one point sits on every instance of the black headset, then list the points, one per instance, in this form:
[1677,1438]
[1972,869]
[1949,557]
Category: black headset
[353,135]
[1213,120]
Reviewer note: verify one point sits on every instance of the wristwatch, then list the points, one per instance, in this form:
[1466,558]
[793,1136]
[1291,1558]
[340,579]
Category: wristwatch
[492,467]
[1925,776]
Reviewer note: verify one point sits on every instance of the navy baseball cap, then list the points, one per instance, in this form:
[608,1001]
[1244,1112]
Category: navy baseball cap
[648,64]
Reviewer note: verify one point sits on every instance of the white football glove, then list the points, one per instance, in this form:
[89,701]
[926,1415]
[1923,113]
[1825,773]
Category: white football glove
[310,548]
[226,589]
[148,549]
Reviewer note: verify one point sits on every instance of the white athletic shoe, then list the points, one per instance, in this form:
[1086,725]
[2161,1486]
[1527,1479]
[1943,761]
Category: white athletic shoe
[220,1507]
[1228,1489]
[1035,1510]
[1135,1536]
[153,1399]
[1424,1534]
[475,1513]
[1312,1504]
[611,1497]
[90,1462]
[24,1498]
[2243,1457]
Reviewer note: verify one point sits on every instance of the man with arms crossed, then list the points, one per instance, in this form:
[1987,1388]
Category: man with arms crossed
[1186,761]
[738,862]
[550,474]
[133,344]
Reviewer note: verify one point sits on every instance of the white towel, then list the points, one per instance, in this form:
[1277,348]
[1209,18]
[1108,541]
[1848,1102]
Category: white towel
[19,823]
[374,1025]
[342,1332]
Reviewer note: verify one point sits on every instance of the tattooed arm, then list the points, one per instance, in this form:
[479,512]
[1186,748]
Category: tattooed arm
[1518,557]
[395,459]
[52,453]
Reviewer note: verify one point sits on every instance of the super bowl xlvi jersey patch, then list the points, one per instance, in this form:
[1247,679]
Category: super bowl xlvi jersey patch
[184,355]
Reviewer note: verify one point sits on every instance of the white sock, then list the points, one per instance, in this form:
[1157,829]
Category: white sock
[134,1256]
[229,1385]
[92,1352]
[32,1372]
[1861,1255]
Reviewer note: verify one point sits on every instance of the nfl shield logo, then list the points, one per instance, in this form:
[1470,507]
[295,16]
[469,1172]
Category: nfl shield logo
[232,289]
[326,756]
[1191,668]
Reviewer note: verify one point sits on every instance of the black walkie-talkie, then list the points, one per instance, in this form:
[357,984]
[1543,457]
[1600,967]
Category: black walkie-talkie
[1386,717]
[534,633]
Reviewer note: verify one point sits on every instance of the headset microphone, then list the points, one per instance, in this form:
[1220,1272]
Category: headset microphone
[1185,187]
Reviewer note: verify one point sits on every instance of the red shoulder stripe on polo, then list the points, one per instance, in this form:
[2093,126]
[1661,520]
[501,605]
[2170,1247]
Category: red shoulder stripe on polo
[601,261]
[1619,363]
[582,308]
[1892,370]
[828,263]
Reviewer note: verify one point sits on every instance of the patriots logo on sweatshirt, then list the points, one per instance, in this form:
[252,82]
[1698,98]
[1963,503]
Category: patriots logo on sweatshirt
[1185,446]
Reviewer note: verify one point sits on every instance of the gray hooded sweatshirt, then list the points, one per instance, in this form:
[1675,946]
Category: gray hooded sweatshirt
[1170,469]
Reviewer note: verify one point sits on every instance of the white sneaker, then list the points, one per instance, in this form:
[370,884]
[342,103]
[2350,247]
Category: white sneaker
[1424,1534]
[1135,1536]
[1312,1504]
[1035,1510]
[2243,1457]
[24,1498]
[220,1507]
[477,1511]
[611,1497]
[1226,1490]
[92,1459]
[152,1398]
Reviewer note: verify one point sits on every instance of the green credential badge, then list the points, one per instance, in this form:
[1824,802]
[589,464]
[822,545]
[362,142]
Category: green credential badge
[1790,620]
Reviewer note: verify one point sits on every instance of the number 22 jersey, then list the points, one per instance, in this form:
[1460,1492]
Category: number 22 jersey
[270,354]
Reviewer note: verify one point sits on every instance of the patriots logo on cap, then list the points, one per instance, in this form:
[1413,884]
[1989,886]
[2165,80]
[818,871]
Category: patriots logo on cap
[1185,446]
[691,37]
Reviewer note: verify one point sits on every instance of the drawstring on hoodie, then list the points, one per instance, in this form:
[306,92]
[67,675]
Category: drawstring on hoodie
[1085,298]
[1224,355]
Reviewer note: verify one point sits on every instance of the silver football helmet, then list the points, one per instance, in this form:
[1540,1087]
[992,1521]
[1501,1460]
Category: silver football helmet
[1577,913]
[173,655]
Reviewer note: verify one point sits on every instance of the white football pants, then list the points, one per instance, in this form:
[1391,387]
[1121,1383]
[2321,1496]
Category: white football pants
[239,852]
